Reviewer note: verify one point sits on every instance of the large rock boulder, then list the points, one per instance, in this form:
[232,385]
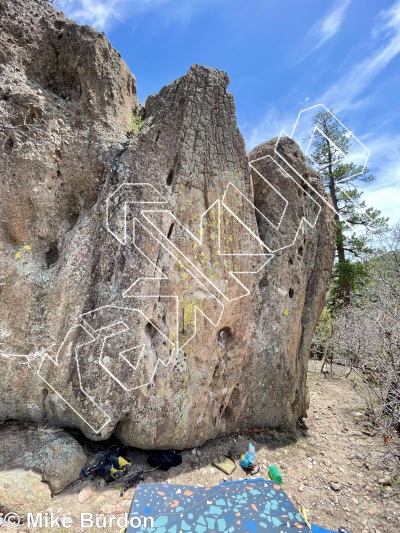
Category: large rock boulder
[147,282]
[23,492]
[290,292]
[52,453]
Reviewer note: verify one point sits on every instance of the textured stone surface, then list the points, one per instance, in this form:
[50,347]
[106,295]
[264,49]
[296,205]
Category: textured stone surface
[23,492]
[53,454]
[290,294]
[93,298]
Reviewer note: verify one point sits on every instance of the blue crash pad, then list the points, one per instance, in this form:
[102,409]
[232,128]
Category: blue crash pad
[248,506]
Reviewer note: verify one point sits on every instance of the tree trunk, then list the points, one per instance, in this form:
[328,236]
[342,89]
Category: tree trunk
[344,282]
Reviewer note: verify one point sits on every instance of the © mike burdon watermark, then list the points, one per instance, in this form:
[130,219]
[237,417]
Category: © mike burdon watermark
[10,520]
[85,520]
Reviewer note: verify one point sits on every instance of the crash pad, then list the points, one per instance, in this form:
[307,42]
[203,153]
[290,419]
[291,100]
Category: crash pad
[248,506]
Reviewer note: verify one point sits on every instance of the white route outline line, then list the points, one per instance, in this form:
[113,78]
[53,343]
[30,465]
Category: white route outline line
[350,135]
[30,357]
[176,297]
[256,237]
[93,338]
[335,161]
[294,181]
[170,253]
[272,187]
[163,201]
[57,363]
[86,327]
[303,219]
[238,219]
[315,190]
[200,243]
[127,328]
[162,278]
[176,348]
[359,207]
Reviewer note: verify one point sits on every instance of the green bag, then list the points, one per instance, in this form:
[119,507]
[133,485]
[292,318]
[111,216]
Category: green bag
[224,463]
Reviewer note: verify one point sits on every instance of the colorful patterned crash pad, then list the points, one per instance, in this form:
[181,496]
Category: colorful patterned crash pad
[252,506]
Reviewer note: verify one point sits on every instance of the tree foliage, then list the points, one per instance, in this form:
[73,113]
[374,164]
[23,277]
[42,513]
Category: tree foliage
[329,142]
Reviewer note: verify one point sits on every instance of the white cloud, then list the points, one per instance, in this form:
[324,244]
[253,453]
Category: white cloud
[385,36]
[101,14]
[271,125]
[387,200]
[326,28]
[323,30]
[384,193]
[347,91]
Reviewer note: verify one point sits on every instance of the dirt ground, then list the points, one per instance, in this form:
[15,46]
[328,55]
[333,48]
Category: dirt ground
[336,468]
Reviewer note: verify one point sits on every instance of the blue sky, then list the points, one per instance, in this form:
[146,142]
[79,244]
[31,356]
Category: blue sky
[281,56]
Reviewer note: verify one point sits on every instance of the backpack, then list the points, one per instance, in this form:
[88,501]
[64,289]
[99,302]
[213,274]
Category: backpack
[164,460]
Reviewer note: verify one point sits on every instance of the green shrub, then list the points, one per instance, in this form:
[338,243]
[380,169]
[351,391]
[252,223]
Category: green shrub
[135,124]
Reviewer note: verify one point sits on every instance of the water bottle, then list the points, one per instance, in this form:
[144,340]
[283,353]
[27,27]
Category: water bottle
[274,474]
[251,452]
[248,460]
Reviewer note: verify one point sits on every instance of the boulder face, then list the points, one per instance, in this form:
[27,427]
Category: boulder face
[154,284]
[50,452]
[22,492]
[290,292]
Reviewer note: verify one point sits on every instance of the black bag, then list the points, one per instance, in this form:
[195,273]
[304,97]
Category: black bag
[164,460]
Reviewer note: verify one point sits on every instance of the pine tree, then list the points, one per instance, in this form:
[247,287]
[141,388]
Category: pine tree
[341,180]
